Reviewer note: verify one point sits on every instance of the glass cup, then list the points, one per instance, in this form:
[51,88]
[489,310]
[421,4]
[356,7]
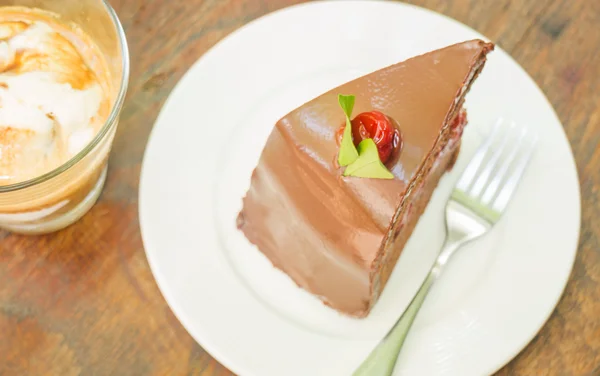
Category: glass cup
[60,197]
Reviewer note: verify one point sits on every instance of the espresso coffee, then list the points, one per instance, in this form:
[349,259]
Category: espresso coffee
[56,95]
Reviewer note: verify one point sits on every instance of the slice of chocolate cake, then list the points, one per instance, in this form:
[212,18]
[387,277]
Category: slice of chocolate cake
[340,236]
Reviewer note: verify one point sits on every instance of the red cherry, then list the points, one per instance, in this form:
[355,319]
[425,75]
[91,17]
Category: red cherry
[377,126]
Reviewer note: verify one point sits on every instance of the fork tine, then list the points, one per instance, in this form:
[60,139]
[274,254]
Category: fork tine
[469,173]
[484,176]
[492,188]
[511,183]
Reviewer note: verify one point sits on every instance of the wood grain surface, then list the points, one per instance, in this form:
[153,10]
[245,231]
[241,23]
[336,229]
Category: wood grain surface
[84,302]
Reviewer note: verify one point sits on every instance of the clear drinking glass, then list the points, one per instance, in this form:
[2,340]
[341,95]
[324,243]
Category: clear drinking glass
[60,197]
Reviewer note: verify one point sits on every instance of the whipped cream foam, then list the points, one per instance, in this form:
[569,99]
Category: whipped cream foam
[50,100]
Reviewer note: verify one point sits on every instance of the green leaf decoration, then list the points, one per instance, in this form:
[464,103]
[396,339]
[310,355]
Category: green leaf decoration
[363,162]
[368,164]
[348,152]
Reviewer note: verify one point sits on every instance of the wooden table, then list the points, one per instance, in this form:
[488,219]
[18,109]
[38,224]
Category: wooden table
[83,301]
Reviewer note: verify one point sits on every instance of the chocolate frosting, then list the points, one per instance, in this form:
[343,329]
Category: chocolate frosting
[326,230]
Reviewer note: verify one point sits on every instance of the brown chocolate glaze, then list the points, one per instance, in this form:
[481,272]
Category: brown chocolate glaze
[327,231]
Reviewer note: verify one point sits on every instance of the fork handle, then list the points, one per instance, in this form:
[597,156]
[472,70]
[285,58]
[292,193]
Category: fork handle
[383,358]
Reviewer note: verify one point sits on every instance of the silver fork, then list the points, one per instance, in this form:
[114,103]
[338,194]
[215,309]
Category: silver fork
[476,204]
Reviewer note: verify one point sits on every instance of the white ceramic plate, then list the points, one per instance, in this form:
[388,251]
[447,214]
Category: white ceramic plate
[496,294]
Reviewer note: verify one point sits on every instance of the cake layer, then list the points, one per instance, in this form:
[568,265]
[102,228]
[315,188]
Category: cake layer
[331,234]
[414,204]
